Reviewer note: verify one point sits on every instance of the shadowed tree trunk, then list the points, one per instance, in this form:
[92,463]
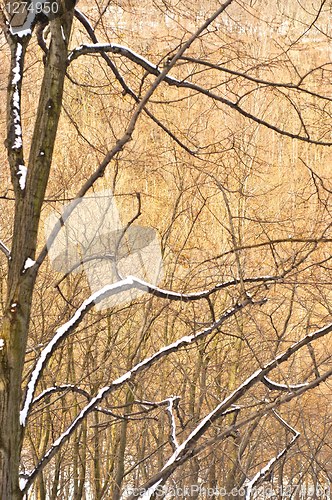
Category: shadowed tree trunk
[20,283]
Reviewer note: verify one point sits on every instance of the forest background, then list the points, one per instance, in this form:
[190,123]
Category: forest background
[219,376]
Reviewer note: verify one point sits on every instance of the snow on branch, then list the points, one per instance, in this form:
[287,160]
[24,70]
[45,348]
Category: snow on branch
[185,341]
[183,451]
[114,48]
[15,104]
[22,175]
[274,386]
[216,413]
[126,284]
[147,65]
[172,402]
[62,332]
[264,473]
[59,388]
[181,296]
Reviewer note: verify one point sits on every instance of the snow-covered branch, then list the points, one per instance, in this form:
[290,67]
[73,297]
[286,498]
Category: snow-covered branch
[125,87]
[205,423]
[126,284]
[274,386]
[171,404]
[56,389]
[114,48]
[62,333]
[183,451]
[185,341]
[263,473]
[170,407]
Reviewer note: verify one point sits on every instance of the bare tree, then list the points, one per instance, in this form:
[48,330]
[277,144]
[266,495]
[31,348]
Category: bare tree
[181,384]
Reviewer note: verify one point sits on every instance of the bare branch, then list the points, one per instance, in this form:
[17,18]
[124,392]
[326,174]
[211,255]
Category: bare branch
[259,81]
[126,137]
[153,69]
[126,89]
[5,249]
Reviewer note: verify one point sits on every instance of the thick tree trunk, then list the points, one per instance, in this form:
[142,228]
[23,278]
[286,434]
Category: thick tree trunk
[20,283]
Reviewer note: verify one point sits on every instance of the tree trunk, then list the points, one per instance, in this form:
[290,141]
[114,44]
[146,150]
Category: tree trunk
[120,459]
[20,282]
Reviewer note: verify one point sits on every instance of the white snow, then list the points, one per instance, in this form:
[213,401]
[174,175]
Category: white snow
[22,173]
[284,386]
[29,263]
[16,107]
[23,33]
[63,34]
[173,423]
[122,379]
[2,344]
[111,47]
[16,69]
[23,482]
[249,485]
[148,494]
[18,135]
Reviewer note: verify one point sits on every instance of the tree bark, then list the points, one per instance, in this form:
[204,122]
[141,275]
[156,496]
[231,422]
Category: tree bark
[20,282]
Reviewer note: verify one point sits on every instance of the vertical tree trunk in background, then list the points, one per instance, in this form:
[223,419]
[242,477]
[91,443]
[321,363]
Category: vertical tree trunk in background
[20,284]
[120,459]
[233,467]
